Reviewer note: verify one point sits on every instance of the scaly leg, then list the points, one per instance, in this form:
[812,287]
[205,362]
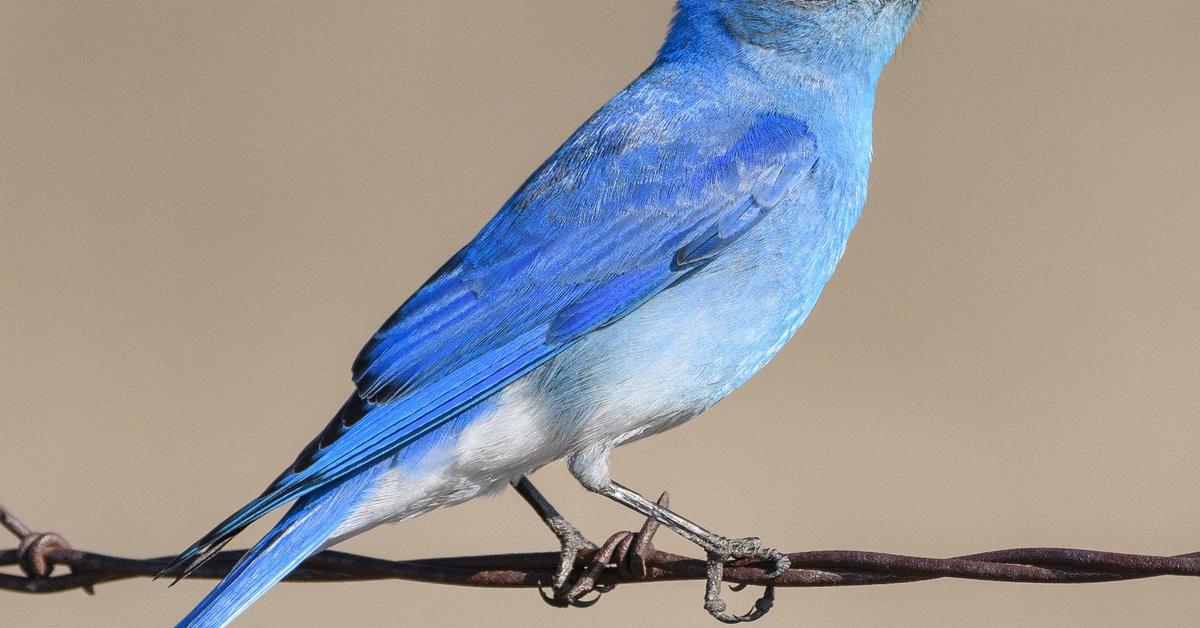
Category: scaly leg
[718,548]
[571,539]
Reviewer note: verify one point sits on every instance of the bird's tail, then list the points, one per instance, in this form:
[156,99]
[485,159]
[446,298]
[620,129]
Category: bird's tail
[302,532]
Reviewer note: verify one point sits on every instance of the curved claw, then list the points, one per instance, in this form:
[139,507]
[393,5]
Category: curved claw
[762,606]
[603,588]
[552,599]
[600,559]
[626,550]
[749,548]
[565,601]
[563,596]
[580,602]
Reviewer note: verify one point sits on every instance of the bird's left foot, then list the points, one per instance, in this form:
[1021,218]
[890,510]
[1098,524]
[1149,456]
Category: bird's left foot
[724,550]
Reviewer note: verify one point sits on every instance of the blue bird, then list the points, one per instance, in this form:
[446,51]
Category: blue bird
[656,261]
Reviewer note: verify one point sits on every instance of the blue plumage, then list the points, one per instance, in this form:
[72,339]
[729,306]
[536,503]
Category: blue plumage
[695,217]
[301,532]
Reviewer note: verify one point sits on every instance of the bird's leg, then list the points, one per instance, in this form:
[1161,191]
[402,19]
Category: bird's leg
[571,539]
[718,548]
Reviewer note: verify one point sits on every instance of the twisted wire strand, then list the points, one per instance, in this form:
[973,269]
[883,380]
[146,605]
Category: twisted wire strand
[39,553]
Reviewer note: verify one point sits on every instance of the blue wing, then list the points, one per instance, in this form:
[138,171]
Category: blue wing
[628,206]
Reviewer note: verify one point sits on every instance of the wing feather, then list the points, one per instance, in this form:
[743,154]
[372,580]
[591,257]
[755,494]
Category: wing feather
[535,279]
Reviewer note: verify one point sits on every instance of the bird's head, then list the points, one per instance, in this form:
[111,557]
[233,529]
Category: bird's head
[849,35]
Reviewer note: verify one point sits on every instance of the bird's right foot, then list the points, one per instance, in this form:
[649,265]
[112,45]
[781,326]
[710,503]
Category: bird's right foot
[573,542]
[625,550]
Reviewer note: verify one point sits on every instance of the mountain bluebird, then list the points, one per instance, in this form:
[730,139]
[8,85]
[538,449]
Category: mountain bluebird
[657,260]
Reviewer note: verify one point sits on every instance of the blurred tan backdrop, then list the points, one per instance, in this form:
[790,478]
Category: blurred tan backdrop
[206,209]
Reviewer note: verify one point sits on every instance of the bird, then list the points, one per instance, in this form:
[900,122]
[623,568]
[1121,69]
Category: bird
[658,259]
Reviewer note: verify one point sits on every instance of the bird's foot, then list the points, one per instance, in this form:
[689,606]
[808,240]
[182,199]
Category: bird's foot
[573,543]
[625,550]
[724,550]
[566,593]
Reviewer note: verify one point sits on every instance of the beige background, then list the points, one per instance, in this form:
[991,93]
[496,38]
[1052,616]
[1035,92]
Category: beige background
[206,209]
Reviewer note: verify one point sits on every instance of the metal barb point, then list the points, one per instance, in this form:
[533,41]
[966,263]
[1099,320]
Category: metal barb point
[10,522]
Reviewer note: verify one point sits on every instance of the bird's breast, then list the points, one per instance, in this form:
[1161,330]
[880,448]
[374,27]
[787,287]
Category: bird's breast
[696,342]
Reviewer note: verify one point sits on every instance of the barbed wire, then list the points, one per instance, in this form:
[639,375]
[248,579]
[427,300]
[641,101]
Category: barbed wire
[627,557]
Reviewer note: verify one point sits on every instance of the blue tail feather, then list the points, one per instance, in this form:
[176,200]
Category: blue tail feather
[301,532]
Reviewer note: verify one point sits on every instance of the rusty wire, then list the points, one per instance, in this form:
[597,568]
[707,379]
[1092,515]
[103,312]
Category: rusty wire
[628,557]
